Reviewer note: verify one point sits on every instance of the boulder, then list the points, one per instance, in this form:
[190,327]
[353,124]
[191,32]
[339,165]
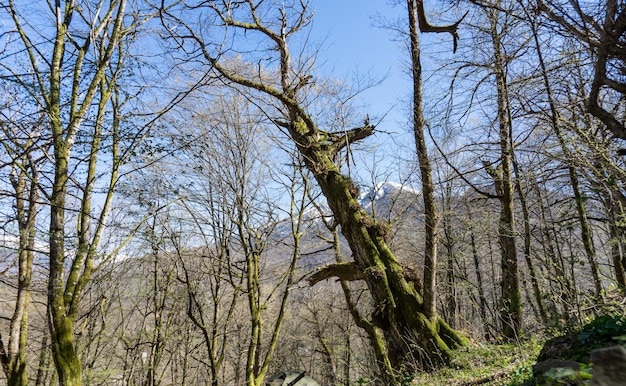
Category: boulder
[552,367]
[549,364]
[609,366]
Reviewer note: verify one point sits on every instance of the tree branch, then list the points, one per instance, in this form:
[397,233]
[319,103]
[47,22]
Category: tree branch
[342,271]
[349,137]
[425,26]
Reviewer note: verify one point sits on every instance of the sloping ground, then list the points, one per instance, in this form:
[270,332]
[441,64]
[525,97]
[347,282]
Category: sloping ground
[513,364]
[486,364]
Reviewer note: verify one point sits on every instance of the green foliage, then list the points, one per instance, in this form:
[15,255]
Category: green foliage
[521,375]
[506,364]
[566,376]
[603,331]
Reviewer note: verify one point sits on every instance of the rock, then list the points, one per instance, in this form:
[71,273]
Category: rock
[561,347]
[291,378]
[543,367]
[578,344]
[609,366]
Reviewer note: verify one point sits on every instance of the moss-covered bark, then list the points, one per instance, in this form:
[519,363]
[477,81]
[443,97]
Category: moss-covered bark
[511,308]
[409,335]
[24,181]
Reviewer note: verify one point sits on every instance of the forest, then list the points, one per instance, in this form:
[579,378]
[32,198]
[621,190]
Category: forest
[188,198]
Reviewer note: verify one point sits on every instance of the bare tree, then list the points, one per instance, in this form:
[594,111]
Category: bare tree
[24,156]
[602,27]
[417,20]
[285,84]
[71,73]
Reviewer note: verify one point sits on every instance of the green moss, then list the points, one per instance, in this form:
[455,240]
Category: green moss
[300,127]
[509,364]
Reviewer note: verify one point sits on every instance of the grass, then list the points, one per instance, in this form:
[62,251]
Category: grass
[486,364]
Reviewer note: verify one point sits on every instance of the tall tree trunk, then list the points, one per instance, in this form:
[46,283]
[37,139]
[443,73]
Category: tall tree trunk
[511,311]
[13,352]
[527,251]
[61,325]
[428,188]
[448,242]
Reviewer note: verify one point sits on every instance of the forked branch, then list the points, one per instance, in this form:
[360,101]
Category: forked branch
[425,26]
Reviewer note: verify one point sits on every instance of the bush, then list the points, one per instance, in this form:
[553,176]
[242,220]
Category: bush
[603,331]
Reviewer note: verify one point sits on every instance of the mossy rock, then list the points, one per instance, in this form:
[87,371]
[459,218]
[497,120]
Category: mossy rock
[603,331]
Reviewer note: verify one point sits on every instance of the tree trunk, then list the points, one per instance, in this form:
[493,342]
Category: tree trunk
[13,355]
[511,307]
[527,251]
[511,311]
[400,308]
[65,357]
[448,242]
[410,335]
[428,189]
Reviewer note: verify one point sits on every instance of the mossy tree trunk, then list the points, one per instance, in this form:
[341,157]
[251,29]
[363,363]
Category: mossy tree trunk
[511,307]
[410,336]
[77,84]
[400,309]
[428,189]
[24,180]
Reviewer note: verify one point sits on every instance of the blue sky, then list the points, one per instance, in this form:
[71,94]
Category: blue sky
[354,43]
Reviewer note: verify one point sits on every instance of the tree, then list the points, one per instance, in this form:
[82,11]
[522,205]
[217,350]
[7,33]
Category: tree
[504,186]
[72,70]
[495,24]
[602,27]
[286,86]
[24,158]
[224,213]
[428,191]
[554,119]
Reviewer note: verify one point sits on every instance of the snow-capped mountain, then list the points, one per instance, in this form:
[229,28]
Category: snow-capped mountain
[384,189]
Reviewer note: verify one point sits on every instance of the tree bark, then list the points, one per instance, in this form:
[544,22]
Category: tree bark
[410,336]
[527,248]
[428,189]
[511,311]
[13,352]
